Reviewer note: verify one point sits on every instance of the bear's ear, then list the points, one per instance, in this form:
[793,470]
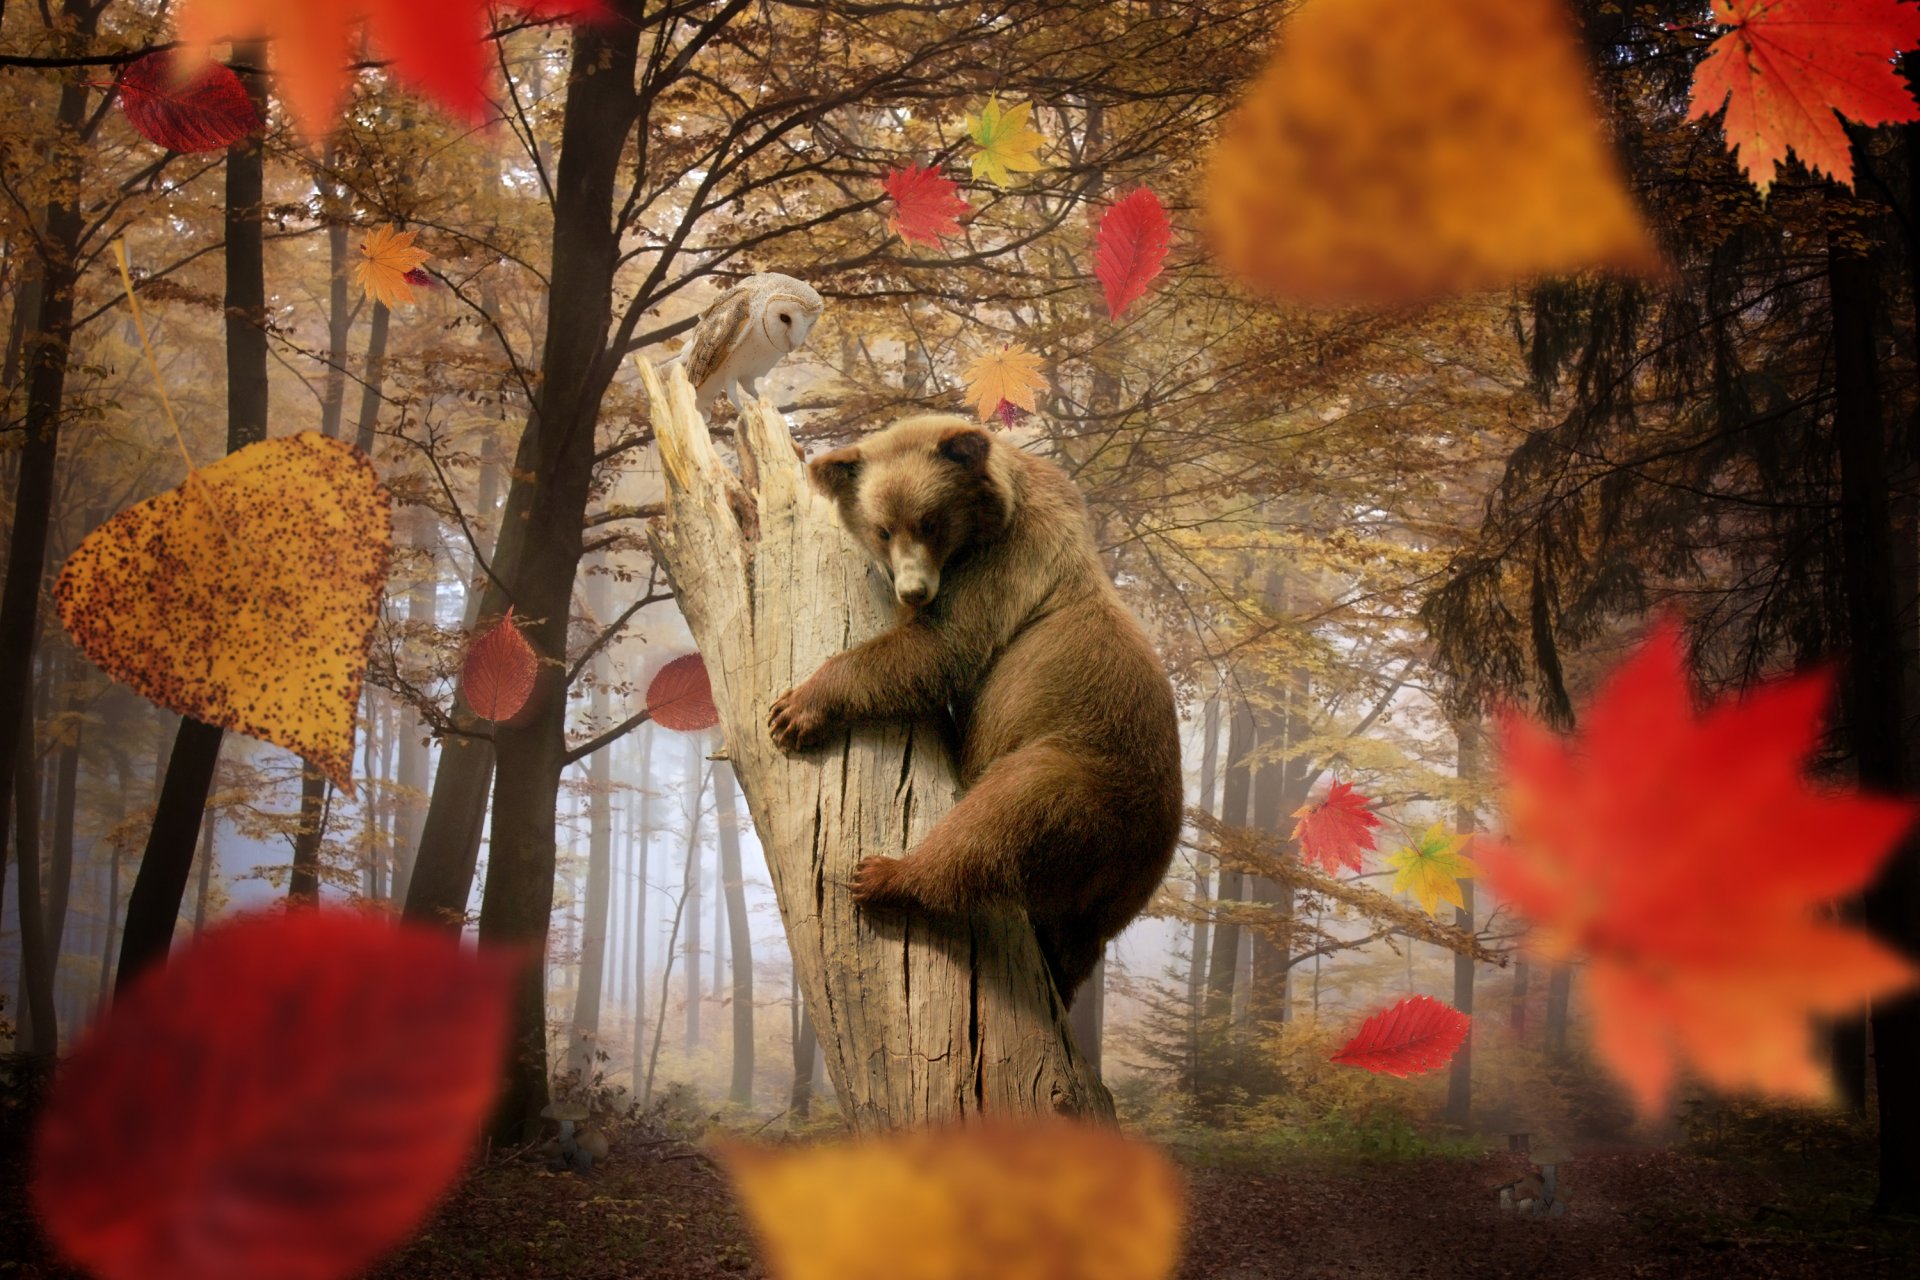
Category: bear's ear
[967,446]
[834,474]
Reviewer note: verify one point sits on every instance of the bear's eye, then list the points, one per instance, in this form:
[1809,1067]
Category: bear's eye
[886,535]
[926,531]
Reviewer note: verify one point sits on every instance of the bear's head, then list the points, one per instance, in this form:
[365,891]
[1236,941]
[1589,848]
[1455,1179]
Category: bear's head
[919,495]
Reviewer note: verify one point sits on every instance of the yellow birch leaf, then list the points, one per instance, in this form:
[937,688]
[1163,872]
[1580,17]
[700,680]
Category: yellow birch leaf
[386,256]
[1432,868]
[257,618]
[1006,141]
[1041,1200]
[1011,374]
[1396,152]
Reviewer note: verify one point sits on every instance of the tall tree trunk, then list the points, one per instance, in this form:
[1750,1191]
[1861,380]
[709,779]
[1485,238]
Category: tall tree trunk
[1460,1077]
[303,882]
[1559,1007]
[740,935]
[205,891]
[643,851]
[39,1025]
[160,885]
[1202,892]
[410,778]
[593,931]
[806,1045]
[690,940]
[333,207]
[1235,794]
[66,781]
[373,384]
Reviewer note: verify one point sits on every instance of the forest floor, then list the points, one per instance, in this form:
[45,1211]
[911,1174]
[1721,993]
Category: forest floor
[1255,1212]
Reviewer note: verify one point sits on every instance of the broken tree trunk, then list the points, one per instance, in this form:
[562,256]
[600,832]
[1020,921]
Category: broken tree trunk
[921,1019]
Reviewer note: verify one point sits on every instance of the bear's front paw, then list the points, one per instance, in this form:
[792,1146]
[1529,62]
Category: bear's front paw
[876,883]
[796,720]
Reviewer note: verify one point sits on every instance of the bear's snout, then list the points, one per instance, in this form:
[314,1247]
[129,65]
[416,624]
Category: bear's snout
[915,576]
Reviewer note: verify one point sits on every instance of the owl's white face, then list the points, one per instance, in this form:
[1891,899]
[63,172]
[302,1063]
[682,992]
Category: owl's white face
[788,322]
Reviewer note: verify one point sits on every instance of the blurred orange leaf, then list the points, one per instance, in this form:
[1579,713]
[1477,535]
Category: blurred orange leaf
[1040,1200]
[1685,855]
[498,675]
[387,260]
[1394,152]
[246,598]
[1010,375]
[1784,67]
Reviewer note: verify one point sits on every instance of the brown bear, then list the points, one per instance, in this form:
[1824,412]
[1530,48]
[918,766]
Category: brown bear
[1069,745]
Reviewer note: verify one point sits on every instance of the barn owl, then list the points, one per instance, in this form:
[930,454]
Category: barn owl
[744,334]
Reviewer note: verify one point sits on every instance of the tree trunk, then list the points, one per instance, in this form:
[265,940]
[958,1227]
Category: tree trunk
[1559,1000]
[643,857]
[410,779]
[207,825]
[921,1019]
[806,1045]
[1202,893]
[1089,1016]
[303,883]
[60,855]
[690,941]
[372,387]
[1460,1077]
[740,936]
[333,208]
[593,933]
[39,1025]
[1233,811]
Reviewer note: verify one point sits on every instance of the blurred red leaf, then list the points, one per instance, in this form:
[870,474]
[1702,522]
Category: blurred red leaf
[1685,856]
[288,1096]
[1131,249]
[499,672]
[420,276]
[1784,67]
[927,205]
[1413,1037]
[204,112]
[681,696]
[1334,831]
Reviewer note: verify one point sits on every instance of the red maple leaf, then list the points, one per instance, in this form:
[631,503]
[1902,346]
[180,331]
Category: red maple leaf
[1784,67]
[204,111]
[1131,249]
[435,46]
[1335,831]
[288,1096]
[1413,1037]
[1685,856]
[499,673]
[926,205]
[680,696]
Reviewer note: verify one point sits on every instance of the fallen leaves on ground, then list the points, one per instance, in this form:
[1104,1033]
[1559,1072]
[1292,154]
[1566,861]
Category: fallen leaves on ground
[1396,152]
[1131,249]
[387,262]
[926,205]
[245,598]
[1685,855]
[1432,867]
[680,696]
[1784,67]
[1334,831]
[202,111]
[1413,1037]
[1040,1199]
[1009,376]
[287,1096]
[499,672]
[1006,142]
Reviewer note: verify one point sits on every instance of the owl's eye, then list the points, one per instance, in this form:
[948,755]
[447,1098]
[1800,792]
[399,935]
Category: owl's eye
[785,318]
[886,535]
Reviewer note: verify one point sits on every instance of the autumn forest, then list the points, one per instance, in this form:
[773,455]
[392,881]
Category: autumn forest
[507,771]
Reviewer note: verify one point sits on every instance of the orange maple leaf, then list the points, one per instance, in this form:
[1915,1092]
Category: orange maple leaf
[1785,67]
[1009,376]
[388,260]
[1684,854]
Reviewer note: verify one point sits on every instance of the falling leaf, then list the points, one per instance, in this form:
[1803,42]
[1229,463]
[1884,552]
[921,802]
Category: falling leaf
[436,46]
[1784,67]
[247,597]
[287,1096]
[1002,1200]
[1685,856]
[205,111]
[498,675]
[680,696]
[387,256]
[1431,868]
[1009,413]
[1006,140]
[421,279]
[1394,152]
[927,205]
[1413,1037]
[1131,249]
[1334,831]
[1010,375]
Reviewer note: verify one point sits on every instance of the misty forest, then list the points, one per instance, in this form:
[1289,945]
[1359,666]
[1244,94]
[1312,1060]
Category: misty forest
[1500,417]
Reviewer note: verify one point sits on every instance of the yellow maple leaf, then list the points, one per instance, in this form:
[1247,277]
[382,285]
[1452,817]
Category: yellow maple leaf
[247,597]
[386,255]
[1006,140]
[1011,374]
[1432,867]
[1040,1200]
[1395,152]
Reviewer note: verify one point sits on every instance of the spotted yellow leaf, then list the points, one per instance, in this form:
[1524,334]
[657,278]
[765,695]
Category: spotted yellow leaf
[1040,1200]
[1432,867]
[1010,375]
[1006,142]
[387,256]
[245,598]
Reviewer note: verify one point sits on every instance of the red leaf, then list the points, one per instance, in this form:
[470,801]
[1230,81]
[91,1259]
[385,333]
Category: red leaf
[420,277]
[681,696]
[205,113]
[1413,1037]
[288,1096]
[927,205]
[1784,67]
[498,675]
[1333,832]
[1131,249]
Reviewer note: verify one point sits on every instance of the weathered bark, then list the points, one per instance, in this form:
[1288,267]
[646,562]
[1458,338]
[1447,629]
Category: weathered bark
[1460,1079]
[739,935]
[303,882]
[921,1018]
[1235,794]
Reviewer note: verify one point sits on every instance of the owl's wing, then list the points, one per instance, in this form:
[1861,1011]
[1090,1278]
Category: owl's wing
[719,332]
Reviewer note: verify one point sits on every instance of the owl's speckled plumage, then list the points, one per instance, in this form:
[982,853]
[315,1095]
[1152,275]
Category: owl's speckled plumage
[744,334]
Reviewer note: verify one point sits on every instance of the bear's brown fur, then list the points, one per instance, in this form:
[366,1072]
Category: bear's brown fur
[1069,747]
